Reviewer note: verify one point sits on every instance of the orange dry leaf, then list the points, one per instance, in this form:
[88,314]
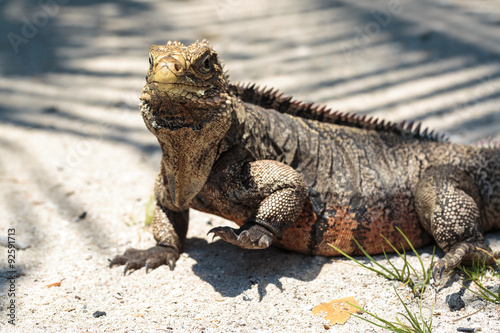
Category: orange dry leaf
[337,311]
[55,284]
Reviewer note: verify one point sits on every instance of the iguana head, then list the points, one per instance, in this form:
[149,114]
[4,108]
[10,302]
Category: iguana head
[185,104]
[187,74]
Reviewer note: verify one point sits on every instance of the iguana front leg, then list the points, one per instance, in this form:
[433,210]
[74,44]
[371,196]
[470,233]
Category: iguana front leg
[448,203]
[276,191]
[169,230]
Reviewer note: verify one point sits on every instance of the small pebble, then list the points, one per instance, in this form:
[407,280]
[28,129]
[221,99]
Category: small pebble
[466,329]
[455,302]
[98,314]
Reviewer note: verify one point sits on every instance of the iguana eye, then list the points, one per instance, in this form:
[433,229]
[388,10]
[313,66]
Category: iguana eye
[150,59]
[206,64]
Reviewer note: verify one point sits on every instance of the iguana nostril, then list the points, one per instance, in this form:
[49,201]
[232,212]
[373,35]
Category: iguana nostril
[174,66]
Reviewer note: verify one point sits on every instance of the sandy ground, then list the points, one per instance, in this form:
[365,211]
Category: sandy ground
[77,163]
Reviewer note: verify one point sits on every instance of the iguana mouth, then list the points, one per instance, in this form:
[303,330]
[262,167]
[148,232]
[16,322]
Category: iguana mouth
[200,94]
[158,120]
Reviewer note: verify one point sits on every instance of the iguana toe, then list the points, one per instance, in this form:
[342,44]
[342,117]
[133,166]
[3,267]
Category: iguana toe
[447,263]
[151,258]
[464,253]
[250,236]
[437,270]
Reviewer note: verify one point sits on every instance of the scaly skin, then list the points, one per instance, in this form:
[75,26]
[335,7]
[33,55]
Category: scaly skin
[301,177]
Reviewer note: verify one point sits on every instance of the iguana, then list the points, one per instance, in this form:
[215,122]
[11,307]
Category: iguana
[300,176]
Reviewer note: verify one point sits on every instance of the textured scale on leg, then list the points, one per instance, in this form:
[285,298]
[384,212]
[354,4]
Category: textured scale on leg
[448,203]
[277,192]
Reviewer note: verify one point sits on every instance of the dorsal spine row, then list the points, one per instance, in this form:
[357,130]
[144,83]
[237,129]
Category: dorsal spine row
[273,99]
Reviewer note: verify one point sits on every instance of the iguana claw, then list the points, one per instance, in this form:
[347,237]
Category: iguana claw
[437,272]
[251,236]
[151,258]
[464,253]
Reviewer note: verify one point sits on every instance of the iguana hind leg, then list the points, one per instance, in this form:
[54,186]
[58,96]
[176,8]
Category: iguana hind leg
[448,204]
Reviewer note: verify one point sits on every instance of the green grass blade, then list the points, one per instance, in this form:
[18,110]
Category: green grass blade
[373,260]
[391,275]
[486,293]
[150,209]
[392,246]
[388,325]
[399,326]
[416,321]
[413,249]
[475,275]
[396,272]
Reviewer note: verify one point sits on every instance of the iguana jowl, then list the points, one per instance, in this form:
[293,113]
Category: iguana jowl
[302,177]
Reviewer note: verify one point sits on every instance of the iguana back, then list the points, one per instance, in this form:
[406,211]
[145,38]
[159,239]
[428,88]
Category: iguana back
[361,183]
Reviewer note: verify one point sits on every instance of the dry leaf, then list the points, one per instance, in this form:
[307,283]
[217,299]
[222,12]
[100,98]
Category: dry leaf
[337,311]
[55,284]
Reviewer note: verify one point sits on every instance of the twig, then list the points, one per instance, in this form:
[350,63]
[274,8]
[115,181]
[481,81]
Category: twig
[470,314]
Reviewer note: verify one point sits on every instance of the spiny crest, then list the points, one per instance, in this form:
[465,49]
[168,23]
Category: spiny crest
[175,43]
[180,44]
[273,99]
[190,52]
[488,143]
